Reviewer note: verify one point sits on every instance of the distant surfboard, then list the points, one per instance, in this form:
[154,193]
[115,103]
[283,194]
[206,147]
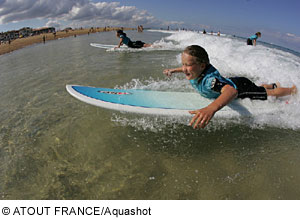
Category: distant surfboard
[152,102]
[124,48]
[105,46]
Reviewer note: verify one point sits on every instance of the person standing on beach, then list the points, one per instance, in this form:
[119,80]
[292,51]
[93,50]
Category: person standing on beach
[140,28]
[44,39]
[252,40]
[206,79]
[126,40]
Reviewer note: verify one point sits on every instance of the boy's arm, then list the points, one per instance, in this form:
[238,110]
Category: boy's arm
[120,43]
[254,42]
[168,72]
[203,116]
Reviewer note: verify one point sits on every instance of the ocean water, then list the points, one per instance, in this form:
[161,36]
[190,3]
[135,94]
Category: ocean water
[53,146]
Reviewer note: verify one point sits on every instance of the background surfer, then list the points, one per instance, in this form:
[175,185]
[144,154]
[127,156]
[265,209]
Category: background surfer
[126,40]
[252,40]
[210,84]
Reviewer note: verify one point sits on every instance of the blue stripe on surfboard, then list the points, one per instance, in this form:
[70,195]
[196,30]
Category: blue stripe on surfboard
[144,98]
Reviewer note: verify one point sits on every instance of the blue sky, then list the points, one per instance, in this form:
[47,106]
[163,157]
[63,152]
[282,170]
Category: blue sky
[278,20]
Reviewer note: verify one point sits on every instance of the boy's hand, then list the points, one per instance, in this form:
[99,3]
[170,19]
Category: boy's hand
[201,117]
[168,72]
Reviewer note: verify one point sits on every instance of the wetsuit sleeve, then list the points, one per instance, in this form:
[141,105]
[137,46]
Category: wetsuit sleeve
[253,37]
[217,85]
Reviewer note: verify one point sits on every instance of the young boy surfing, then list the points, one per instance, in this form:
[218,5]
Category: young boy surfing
[126,40]
[210,84]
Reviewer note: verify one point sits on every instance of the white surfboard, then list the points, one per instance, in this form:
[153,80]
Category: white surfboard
[124,48]
[154,102]
[105,46]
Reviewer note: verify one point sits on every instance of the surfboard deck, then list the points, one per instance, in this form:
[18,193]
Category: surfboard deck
[149,101]
[105,46]
[124,48]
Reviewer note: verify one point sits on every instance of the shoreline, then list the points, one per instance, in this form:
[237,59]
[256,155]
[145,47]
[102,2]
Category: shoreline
[24,42]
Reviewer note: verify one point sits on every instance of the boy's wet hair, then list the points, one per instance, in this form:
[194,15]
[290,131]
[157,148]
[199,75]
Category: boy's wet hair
[198,52]
[121,32]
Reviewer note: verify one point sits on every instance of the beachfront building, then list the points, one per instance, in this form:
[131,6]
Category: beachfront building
[24,32]
[2,36]
[67,29]
[9,35]
[43,30]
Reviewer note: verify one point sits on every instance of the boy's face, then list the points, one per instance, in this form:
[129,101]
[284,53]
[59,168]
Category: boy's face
[190,67]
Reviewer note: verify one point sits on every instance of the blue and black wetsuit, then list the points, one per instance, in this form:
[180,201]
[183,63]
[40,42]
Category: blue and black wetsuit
[131,44]
[210,83]
[250,39]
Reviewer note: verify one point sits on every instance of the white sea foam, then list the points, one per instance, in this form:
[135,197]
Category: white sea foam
[232,57]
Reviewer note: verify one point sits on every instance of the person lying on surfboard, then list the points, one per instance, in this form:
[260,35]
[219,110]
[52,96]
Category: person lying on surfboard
[126,40]
[206,79]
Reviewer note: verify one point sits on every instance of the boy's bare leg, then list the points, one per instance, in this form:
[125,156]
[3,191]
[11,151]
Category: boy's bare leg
[278,92]
[271,86]
[294,90]
[147,45]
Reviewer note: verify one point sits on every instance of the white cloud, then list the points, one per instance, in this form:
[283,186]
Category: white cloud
[293,37]
[290,35]
[53,23]
[77,12]
[288,40]
[19,10]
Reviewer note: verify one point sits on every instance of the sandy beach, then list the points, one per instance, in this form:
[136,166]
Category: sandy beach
[23,42]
